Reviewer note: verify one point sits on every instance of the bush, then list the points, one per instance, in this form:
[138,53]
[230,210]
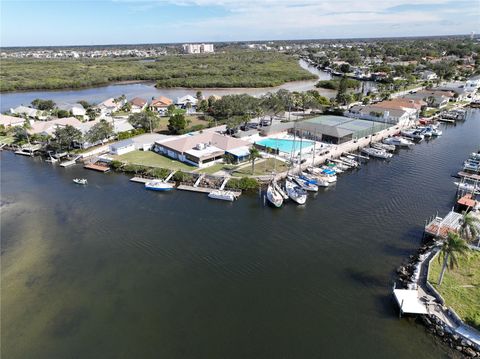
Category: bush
[244,184]
[158,172]
[116,164]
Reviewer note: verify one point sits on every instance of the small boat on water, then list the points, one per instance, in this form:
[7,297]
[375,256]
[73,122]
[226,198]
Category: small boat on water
[383,146]
[376,153]
[159,185]
[295,192]
[222,195]
[398,141]
[350,162]
[82,181]
[462,186]
[279,190]
[415,134]
[273,196]
[307,186]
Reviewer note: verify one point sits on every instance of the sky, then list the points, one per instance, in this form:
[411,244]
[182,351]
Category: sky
[86,22]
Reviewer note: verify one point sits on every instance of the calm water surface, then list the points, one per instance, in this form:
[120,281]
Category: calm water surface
[113,271]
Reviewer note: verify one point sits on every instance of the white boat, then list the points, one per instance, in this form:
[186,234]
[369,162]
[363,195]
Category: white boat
[273,196]
[468,187]
[295,192]
[349,161]
[475,156]
[415,134]
[82,181]
[159,185]
[322,181]
[376,153]
[51,160]
[279,190]
[398,141]
[222,195]
[310,187]
[383,146]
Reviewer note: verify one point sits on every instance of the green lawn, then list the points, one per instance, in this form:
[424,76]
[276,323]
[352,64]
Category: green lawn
[265,167]
[215,168]
[461,287]
[152,159]
[7,139]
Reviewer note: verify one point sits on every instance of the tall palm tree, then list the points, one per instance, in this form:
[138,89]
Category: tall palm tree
[469,227]
[453,247]
[254,154]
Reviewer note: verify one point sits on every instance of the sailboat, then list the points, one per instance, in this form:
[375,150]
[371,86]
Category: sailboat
[295,192]
[273,196]
[307,186]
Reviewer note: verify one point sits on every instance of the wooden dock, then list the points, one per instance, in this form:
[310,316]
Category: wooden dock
[471,176]
[185,187]
[95,167]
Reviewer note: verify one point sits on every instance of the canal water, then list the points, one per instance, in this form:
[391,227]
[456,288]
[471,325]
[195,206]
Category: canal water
[148,91]
[110,270]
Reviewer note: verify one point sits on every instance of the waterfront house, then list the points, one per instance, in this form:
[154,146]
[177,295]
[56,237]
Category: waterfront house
[47,128]
[138,104]
[11,121]
[110,105]
[160,104]
[396,111]
[76,109]
[433,98]
[202,149]
[26,111]
[187,102]
[143,142]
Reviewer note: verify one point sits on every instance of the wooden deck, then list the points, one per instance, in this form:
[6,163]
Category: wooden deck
[472,176]
[185,187]
[96,167]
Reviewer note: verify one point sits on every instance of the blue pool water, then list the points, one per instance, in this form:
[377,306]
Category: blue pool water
[284,145]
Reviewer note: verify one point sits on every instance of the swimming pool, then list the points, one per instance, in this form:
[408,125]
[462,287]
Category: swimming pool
[285,145]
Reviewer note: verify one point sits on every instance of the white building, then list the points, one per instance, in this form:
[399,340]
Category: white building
[11,121]
[198,48]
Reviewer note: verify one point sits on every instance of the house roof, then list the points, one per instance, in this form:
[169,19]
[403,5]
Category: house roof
[138,101]
[48,127]
[6,120]
[31,112]
[222,142]
[70,107]
[186,98]
[395,112]
[401,103]
[161,101]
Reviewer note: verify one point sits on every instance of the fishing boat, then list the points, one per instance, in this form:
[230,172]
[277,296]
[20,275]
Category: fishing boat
[462,186]
[82,181]
[376,153]
[415,134]
[222,195]
[398,141]
[273,196]
[295,192]
[383,146]
[159,185]
[310,187]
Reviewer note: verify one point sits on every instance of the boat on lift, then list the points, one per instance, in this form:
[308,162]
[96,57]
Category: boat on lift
[222,195]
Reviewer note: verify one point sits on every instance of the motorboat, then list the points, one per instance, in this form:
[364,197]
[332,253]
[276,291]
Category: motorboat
[376,153]
[82,181]
[310,187]
[425,131]
[222,195]
[295,192]
[398,141]
[159,185]
[349,161]
[383,146]
[462,186]
[415,134]
[273,196]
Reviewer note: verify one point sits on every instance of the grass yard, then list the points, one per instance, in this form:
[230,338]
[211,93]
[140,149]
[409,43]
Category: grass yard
[461,287]
[215,168]
[194,121]
[7,139]
[152,159]
[265,167]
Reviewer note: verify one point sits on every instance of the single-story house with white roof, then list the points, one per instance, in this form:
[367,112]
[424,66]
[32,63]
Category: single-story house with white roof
[11,121]
[25,111]
[187,102]
[49,127]
[143,142]
[76,109]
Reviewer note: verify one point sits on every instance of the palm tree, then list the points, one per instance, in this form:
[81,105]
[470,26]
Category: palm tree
[469,227]
[254,154]
[452,248]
